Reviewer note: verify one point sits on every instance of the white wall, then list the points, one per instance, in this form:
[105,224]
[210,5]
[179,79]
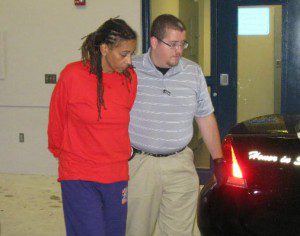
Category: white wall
[40,37]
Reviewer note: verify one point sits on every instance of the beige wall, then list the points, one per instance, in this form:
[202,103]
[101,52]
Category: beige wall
[256,74]
[41,37]
[204,36]
[189,14]
[158,7]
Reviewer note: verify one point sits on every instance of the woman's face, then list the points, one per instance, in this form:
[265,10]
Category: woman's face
[117,58]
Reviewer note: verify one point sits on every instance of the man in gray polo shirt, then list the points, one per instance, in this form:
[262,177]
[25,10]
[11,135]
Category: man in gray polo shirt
[172,91]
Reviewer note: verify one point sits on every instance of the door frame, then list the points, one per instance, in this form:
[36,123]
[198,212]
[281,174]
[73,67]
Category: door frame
[146,24]
[224,56]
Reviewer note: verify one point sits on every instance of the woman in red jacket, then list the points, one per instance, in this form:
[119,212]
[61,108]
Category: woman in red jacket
[88,131]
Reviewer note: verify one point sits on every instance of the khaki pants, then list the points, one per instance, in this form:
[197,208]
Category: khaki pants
[162,195]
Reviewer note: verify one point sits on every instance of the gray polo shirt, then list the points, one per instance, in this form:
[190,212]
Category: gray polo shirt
[161,119]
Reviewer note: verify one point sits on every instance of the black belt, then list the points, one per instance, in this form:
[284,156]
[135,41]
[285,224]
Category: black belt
[154,154]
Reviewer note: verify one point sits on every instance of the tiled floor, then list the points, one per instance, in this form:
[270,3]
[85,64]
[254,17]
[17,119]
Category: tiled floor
[30,205]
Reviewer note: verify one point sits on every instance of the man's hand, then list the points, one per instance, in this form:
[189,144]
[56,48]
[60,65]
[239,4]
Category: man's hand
[220,170]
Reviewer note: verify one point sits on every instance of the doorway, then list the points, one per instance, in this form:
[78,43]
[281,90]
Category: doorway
[259,40]
[255,64]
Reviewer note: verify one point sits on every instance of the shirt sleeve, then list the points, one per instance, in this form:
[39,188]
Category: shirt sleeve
[57,115]
[204,104]
[133,90]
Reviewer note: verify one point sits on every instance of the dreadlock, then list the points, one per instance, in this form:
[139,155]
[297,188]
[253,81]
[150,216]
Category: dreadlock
[111,33]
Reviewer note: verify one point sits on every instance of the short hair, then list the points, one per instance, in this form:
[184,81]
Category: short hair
[164,22]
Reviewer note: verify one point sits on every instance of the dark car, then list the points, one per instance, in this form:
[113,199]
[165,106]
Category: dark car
[262,193]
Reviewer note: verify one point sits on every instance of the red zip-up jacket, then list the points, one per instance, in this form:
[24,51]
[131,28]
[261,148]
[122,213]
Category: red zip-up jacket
[89,148]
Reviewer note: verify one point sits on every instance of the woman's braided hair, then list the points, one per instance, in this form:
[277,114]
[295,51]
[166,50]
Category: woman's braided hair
[111,33]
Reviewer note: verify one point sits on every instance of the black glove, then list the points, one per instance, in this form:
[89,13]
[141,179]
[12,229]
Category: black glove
[221,171]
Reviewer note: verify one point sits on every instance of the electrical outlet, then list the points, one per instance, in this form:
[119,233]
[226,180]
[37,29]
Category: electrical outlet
[21,137]
[50,78]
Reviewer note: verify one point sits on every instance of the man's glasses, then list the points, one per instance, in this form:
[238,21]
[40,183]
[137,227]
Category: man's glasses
[175,45]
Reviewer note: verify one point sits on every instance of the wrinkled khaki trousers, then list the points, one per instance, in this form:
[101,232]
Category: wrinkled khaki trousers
[162,195]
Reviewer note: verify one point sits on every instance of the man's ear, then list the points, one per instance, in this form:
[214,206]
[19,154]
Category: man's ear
[153,42]
[103,49]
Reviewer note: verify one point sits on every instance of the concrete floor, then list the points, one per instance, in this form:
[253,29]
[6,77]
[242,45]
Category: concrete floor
[30,205]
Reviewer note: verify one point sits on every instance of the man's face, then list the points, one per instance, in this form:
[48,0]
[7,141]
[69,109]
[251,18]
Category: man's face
[162,54]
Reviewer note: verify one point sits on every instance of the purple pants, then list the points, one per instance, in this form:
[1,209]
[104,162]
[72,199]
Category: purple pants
[94,209]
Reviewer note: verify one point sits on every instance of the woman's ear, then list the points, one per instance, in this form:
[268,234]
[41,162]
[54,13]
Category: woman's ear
[103,49]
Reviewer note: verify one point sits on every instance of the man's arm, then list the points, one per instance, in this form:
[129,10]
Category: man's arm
[211,136]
